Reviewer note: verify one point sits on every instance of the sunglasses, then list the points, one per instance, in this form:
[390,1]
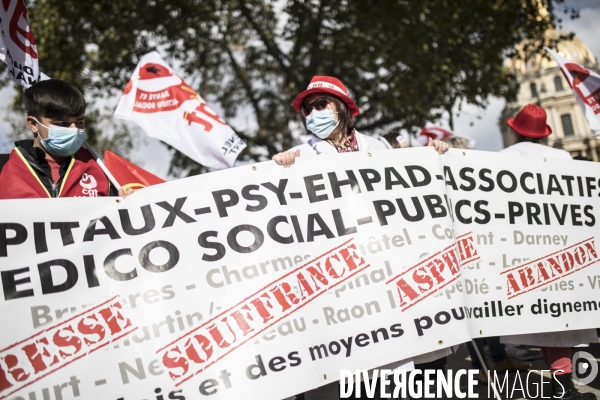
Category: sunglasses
[317,105]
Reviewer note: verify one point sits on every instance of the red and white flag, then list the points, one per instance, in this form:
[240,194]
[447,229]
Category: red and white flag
[17,45]
[166,108]
[128,174]
[586,86]
[439,133]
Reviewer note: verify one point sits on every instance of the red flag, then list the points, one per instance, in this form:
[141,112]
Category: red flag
[435,133]
[128,174]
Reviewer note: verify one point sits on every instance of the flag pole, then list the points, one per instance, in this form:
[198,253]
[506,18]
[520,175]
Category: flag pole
[101,164]
[484,366]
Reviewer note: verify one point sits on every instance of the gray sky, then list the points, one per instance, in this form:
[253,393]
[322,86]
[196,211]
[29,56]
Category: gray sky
[480,124]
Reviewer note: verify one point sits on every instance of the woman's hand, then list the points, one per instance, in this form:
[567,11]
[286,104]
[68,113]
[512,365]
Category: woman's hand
[286,158]
[438,145]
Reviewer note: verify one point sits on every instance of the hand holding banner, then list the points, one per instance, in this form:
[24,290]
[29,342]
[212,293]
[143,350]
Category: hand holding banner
[263,281]
[257,282]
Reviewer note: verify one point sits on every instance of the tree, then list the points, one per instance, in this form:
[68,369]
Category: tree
[405,61]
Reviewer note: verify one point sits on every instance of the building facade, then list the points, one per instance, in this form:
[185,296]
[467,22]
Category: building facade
[541,82]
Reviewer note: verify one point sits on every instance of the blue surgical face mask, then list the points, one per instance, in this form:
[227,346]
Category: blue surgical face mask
[321,123]
[62,141]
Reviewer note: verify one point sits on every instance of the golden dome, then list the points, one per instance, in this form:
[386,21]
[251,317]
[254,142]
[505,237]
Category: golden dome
[572,49]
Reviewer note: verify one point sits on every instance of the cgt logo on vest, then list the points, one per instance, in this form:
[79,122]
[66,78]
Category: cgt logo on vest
[88,185]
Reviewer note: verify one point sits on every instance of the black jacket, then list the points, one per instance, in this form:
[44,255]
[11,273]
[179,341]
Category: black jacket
[36,157]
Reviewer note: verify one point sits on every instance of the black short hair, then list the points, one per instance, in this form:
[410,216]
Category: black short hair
[54,98]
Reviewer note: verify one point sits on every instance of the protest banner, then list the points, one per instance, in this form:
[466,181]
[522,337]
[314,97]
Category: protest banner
[265,281]
[534,224]
[166,108]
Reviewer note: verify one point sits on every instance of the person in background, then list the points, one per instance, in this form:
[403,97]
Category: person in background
[446,136]
[458,142]
[393,140]
[53,163]
[501,361]
[327,112]
[529,127]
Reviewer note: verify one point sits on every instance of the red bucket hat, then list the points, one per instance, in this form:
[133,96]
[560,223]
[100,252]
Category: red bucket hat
[530,122]
[329,85]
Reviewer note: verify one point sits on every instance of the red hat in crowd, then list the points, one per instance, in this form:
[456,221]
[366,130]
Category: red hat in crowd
[329,85]
[435,133]
[530,122]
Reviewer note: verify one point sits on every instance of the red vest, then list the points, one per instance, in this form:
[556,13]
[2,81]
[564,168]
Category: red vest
[84,178]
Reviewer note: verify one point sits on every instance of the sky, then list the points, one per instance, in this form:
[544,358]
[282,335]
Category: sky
[478,123]
[482,124]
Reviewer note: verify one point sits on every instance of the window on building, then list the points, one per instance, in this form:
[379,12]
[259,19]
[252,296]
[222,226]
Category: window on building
[558,83]
[533,88]
[567,125]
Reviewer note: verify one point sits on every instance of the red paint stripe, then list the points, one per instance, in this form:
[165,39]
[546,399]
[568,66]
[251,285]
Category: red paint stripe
[59,324]
[269,326]
[252,295]
[545,257]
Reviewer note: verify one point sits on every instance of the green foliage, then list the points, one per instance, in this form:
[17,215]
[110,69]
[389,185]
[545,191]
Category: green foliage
[404,61]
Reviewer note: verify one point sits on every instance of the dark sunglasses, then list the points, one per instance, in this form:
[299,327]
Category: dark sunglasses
[317,105]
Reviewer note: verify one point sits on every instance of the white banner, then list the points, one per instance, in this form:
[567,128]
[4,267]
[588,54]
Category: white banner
[586,87]
[166,108]
[265,281]
[534,222]
[17,45]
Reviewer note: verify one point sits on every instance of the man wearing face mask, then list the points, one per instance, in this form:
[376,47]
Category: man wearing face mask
[327,112]
[53,164]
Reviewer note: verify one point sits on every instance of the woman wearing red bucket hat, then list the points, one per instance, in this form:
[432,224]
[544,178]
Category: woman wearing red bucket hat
[529,127]
[327,112]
